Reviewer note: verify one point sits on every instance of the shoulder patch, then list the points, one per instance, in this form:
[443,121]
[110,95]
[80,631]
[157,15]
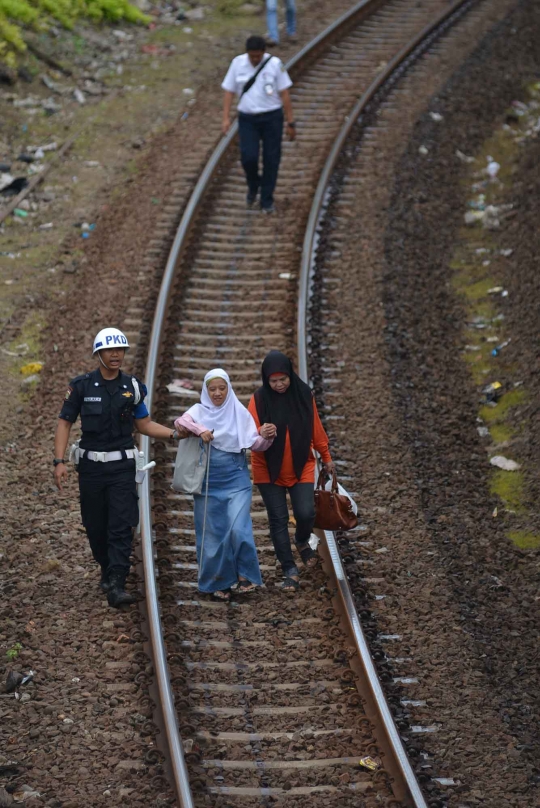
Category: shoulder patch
[68,393]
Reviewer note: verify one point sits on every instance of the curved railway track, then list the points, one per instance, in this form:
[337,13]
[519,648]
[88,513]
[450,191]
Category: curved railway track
[270,698]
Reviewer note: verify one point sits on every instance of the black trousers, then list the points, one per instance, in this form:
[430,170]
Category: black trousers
[109,510]
[303,504]
[268,128]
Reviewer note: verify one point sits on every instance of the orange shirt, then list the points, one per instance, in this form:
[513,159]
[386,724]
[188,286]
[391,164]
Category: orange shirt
[287,476]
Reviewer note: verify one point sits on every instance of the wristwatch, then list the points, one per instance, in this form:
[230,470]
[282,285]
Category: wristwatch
[173,435]
[57,461]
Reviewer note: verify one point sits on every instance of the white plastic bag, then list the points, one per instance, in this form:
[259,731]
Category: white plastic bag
[344,492]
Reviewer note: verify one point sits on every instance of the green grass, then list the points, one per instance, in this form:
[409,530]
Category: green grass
[514,398]
[524,539]
[509,487]
[15,15]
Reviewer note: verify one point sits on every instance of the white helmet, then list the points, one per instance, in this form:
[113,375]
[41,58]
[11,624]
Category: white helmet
[110,338]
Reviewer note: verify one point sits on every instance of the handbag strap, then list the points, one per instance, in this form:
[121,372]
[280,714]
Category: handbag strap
[250,82]
[207,475]
[320,481]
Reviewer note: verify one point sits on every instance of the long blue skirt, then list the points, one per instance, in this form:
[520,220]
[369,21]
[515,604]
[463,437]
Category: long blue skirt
[229,548]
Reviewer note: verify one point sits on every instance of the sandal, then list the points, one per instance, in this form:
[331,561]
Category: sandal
[309,557]
[290,585]
[222,595]
[245,587]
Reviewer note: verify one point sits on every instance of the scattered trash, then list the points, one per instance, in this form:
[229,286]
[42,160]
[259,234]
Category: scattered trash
[492,392]
[11,186]
[185,116]
[188,91]
[495,512]
[79,96]
[24,793]
[47,226]
[195,13]
[85,227]
[504,463]
[31,368]
[91,163]
[506,253]
[483,431]
[26,158]
[498,348]
[13,680]
[436,116]
[493,169]
[5,168]
[285,276]
[313,541]
[463,157]
[423,150]
[188,744]
[184,386]
[504,293]
[495,290]
[371,763]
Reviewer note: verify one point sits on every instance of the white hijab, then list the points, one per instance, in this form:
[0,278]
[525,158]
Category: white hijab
[234,427]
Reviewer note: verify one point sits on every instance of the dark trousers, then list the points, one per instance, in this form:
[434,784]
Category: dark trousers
[268,128]
[303,505]
[109,510]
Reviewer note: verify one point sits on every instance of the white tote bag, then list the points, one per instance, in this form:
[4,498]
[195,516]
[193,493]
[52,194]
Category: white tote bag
[192,462]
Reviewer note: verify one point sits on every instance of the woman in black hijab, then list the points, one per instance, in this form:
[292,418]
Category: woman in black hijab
[288,465]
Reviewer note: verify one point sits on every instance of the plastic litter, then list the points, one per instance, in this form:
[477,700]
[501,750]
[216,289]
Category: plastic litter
[188,91]
[493,169]
[498,348]
[31,368]
[436,116]
[423,150]
[464,157]
[371,763]
[313,541]
[79,96]
[504,463]
[26,158]
[495,290]
[174,387]
[492,392]
[5,167]
[46,226]
[483,431]
[11,186]
[506,253]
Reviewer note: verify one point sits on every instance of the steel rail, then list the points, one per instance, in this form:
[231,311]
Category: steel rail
[307,263]
[174,744]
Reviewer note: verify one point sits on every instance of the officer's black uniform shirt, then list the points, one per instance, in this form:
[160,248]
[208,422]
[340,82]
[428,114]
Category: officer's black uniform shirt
[107,409]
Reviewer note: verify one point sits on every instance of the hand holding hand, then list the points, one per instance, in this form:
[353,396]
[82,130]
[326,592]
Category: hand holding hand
[268,431]
[182,432]
[207,436]
[60,475]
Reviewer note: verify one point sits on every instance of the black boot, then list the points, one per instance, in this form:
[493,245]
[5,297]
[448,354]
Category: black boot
[117,595]
[104,584]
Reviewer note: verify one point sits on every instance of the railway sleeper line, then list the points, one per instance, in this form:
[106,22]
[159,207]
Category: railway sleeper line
[237,693]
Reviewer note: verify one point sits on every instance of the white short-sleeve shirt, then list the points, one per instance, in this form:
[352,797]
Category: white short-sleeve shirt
[263,95]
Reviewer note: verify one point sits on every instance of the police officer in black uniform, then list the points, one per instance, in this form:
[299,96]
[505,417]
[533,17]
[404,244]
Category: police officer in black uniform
[111,404]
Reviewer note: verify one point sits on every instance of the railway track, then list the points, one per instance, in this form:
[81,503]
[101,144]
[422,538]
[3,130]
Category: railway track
[275,698]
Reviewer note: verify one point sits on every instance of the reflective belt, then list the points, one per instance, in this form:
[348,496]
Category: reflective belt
[106,457]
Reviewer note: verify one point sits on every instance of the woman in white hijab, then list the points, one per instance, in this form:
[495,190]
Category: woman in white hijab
[229,555]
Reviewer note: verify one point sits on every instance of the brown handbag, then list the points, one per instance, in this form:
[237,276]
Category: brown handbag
[333,511]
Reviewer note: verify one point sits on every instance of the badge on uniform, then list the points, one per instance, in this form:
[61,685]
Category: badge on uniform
[127,394]
[68,393]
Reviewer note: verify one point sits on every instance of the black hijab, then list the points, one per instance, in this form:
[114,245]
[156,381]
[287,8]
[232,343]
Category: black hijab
[292,409]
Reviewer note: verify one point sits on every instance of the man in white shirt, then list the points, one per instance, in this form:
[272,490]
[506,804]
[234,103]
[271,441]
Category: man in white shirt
[262,85]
